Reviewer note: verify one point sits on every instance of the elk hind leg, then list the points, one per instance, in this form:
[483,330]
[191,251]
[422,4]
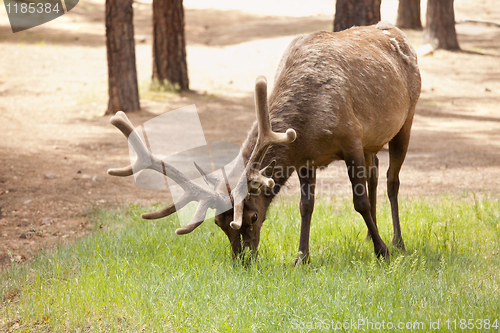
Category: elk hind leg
[398,147]
[355,162]
[371,164]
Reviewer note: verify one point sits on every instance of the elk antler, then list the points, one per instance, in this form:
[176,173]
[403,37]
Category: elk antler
[146,160]
[265,138]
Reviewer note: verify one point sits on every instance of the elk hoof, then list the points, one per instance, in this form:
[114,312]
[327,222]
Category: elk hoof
[382,252]
[399,243]
[302,258]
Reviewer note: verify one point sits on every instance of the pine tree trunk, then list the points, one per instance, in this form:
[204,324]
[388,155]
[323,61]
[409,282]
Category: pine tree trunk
[440,27]
[120,46]
[350,13]
[409,15]
[169,45]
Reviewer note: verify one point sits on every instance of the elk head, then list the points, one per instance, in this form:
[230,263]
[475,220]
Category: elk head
[242,222]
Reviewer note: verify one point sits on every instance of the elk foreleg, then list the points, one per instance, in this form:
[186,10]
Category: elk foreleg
[307,179]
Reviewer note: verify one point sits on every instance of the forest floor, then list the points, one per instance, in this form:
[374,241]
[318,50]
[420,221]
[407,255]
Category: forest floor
[57,145]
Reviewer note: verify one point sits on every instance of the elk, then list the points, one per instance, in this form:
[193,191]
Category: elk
[336,96]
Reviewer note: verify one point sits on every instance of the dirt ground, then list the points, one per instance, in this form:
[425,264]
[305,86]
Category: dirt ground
[56,146]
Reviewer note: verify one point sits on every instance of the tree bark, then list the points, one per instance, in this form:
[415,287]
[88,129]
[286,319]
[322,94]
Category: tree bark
[120,46]
[440,27]
[169,45]
[409,15]
[350,13]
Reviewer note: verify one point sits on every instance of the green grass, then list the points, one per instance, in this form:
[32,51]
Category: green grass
[136,275]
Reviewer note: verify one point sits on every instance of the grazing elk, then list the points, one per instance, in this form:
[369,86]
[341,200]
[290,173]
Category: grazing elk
[336,96]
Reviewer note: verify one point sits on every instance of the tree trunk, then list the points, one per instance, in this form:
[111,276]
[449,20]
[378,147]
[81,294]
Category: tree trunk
[440,26]
[409,15]
[349,13]
[120,46]
[169,45]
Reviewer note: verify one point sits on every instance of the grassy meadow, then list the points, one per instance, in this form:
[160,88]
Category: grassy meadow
[138,276]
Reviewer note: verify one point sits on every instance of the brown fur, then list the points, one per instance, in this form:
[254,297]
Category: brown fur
[346,94]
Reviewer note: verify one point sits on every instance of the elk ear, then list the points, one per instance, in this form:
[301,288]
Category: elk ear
[268,170]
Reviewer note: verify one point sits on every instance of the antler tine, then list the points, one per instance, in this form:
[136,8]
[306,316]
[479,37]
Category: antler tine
[199,217]
[121,121]
[266,135]
[261,106]
[211,180]
[121,172]
[265,138]
[145,159]
[169,210]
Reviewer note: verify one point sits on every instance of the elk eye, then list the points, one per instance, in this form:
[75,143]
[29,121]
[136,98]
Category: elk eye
[254,217]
